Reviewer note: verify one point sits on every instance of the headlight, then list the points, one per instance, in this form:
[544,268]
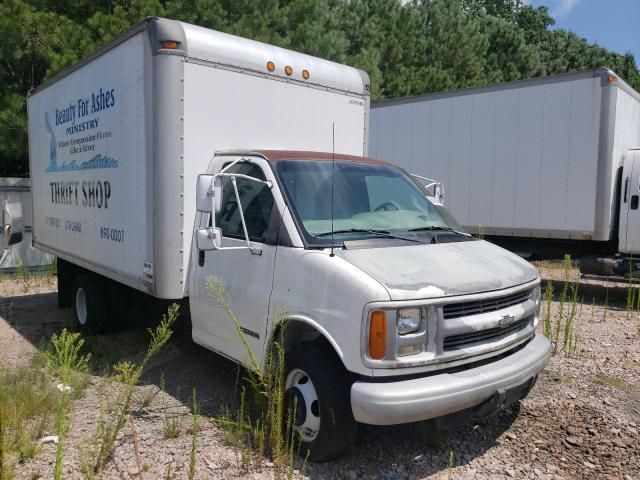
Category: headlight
[408,320]
[536,297]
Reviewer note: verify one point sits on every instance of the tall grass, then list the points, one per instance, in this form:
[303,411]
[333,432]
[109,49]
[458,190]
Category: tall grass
[23,276]
[64,355]
[27,400]
[264,427]
[560,326]
[128,374]
[195,425]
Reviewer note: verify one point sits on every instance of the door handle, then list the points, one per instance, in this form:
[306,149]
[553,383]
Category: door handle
[634,202]
[626,189]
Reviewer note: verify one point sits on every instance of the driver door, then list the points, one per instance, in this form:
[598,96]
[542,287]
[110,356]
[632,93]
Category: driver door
[243,279]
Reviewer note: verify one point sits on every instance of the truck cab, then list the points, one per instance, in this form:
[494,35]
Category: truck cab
[387,312]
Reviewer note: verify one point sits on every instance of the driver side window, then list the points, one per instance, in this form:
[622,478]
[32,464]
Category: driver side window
[256,201]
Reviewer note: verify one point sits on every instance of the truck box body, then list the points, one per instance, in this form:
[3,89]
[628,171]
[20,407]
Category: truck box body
[535,158]
[117,141]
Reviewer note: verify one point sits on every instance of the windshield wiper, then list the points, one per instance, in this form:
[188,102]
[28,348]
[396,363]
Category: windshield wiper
[438,228]
[379,233]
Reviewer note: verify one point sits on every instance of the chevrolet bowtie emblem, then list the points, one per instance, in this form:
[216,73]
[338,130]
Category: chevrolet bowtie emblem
[506,320]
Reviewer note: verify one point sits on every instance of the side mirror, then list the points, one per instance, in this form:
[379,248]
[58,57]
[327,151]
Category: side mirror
[208,239]
[209,193]
[12,224]
[204,193]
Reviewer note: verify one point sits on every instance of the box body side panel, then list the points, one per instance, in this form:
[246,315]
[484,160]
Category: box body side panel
[89,161]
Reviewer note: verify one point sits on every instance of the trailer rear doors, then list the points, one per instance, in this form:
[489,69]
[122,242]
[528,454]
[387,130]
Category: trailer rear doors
[629,204]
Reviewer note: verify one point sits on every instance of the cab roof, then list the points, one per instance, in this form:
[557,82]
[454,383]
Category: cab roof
[276,155]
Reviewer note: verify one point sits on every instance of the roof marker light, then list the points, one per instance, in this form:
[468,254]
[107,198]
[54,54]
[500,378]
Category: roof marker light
[288,70]
[305,74]
[170,44]
[612,79]
[271,66]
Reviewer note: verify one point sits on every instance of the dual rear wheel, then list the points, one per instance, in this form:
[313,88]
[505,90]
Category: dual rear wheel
[99,305]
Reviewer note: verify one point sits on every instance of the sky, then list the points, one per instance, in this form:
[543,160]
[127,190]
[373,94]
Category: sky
[613,24]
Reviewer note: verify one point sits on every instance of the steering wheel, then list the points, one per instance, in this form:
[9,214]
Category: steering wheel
[386,206]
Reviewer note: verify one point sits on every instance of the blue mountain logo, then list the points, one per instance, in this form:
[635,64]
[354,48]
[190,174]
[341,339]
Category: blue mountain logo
[96,162]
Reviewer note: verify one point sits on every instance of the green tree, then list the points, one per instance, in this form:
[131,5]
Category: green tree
[406,47]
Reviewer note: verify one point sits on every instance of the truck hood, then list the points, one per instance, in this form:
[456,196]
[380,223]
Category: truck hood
[438,270]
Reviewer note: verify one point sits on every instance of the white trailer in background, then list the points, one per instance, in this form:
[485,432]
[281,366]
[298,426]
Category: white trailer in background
[22,253]
[541,165]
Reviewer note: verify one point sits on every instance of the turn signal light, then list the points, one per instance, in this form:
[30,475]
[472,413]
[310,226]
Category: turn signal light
[171,45]
[377,335]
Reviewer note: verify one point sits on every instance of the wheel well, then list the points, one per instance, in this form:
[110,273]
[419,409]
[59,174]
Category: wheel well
[294,333]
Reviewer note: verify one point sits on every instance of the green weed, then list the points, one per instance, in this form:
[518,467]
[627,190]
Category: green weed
[64,356]
[264,429]
[27,397]
[194,435]
[23,276]
[128,375]
[609,381]
[561,328]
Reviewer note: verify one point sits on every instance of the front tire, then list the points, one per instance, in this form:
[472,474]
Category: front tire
[90,304]
[317,391]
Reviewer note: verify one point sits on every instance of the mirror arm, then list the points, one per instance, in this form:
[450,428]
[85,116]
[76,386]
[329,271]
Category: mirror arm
[244,225]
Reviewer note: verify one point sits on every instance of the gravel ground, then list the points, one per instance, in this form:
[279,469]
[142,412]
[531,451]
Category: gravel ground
[580,421]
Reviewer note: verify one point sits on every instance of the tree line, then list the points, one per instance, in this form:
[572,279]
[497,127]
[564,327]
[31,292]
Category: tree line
[407,47]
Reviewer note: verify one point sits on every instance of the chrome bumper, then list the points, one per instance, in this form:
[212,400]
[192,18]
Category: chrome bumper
[438,395]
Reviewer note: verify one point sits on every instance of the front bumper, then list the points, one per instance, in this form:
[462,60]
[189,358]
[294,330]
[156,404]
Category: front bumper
[434,396]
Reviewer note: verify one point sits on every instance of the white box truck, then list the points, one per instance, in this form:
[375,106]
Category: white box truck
[176,158]
[544,166]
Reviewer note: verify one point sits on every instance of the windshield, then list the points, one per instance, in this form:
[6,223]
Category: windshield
[369,200]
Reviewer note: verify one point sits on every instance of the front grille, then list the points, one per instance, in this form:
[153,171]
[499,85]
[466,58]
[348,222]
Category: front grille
[463,309]
[455,342]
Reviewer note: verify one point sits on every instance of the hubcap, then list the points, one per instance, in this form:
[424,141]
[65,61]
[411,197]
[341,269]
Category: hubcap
[299,389]
[81,306]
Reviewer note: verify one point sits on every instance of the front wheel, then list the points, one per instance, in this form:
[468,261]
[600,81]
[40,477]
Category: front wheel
[317,392]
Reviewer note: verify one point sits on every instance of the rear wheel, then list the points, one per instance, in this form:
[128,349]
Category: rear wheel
[90,304]
[317,392]
[117,305]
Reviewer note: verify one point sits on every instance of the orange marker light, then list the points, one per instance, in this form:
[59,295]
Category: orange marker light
[612,79]
[288,70]
[305,74]
[377,335]
[271,66]
[170,45]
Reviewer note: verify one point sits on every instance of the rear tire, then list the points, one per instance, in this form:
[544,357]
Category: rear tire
[318,386]
[90,304]
[66,277]
[118,305]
